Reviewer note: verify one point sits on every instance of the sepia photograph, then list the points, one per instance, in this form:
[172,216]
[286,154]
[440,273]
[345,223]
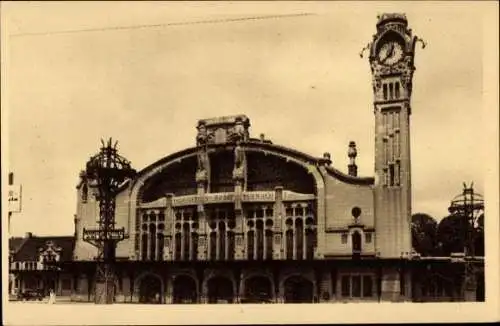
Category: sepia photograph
[266,162]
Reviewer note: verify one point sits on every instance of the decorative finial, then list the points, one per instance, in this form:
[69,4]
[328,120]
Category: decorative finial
[424,44]
[364,49]
[327,158]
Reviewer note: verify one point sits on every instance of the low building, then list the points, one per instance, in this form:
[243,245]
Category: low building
[31,266]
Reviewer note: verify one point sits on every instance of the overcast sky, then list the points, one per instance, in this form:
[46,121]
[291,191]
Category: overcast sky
[299,79]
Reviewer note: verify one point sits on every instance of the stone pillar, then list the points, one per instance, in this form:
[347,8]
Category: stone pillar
[201,179]
[240,247]
[82,288]
[390,284]
[168,254]
[470,289]
[203,296]
[241,289]
[408,293]
[169,294]
[126,290]
[278,248]
[238,190]
[325,286]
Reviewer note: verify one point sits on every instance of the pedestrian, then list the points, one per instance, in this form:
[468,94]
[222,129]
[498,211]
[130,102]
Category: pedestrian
[52,297]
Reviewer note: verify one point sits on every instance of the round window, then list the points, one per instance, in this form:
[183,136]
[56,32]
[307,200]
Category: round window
[356,212]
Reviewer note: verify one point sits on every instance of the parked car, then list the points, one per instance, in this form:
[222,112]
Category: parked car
[31,295]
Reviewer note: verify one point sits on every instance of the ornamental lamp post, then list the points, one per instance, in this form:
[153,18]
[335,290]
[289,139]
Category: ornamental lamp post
[108,169]
[468,206]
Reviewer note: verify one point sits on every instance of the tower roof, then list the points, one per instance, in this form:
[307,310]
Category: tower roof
[391,17]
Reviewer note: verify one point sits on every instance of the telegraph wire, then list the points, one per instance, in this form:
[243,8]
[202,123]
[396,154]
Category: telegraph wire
[162,25]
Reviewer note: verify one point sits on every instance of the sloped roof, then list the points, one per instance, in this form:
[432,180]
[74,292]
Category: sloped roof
[15,243]
[253,143]
[29,251]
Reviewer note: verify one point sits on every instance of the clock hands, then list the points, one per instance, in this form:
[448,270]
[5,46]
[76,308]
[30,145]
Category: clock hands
[390,53]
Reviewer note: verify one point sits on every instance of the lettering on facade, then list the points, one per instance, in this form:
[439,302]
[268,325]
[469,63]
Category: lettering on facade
[227,197]
[258,196]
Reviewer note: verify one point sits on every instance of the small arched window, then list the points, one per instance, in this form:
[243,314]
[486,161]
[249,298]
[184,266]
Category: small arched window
[356,242]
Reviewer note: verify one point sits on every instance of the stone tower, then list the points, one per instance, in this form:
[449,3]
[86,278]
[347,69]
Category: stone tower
[392,64]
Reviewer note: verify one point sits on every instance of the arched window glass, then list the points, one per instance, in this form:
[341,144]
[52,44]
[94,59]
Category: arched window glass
[194,239]
[250,245]
[260,239]
[161,245]
[356,242]
[269,244]
[178,246]
[144,246]
[310,243]
[152,241]
[222,241]
[230,245]
[213,245]
[299,229]
[186,239]
[289,244]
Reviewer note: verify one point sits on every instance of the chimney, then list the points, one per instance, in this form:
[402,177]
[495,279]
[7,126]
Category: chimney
[352,153]
[28,235]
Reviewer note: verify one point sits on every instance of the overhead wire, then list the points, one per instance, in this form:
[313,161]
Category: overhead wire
[162,25]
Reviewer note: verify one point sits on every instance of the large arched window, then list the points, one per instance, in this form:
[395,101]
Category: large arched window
[150,237]
[186,234]
[259,220]
[300,234]
[221,222]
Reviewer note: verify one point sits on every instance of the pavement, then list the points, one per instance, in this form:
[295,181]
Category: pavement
[59,300]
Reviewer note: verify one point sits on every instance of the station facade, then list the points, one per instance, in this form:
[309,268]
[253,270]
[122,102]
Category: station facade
[238,219]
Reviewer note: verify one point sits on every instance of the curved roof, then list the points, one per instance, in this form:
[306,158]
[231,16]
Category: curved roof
[265,146]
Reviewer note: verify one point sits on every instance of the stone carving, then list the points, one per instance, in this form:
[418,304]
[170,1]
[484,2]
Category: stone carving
[204,136]
[239,166]
[202,172]
[238,132]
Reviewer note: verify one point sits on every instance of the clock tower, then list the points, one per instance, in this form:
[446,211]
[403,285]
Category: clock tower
[392,65]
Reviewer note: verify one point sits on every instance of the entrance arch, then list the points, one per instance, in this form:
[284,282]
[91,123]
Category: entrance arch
[258,289]
[220,290]
[184,290]
[298,290]
[150,289]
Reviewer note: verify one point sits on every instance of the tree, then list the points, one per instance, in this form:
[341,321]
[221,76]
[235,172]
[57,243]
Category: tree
[451,235]
[423,232]
[479,236]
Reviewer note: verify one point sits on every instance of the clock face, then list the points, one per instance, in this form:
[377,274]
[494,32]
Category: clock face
[390,53]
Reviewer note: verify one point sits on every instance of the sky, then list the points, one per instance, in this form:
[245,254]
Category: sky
[297,75]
